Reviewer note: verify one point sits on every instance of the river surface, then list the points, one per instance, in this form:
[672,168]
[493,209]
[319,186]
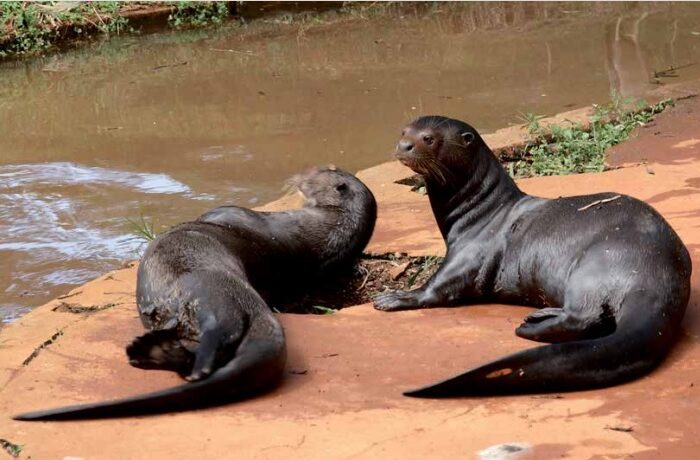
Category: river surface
[166,126]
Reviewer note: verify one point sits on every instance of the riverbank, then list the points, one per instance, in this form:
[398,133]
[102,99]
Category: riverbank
[33,28]
[36,28]
[342,395]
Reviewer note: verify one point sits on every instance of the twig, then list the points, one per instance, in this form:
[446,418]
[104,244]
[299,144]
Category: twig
[61,297]
[169,65]
[606,200]
[623,429]
[365,280]
[99,17]
[671,71]
[247,53]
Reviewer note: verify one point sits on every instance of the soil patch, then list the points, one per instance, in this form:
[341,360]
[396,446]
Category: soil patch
[373,274]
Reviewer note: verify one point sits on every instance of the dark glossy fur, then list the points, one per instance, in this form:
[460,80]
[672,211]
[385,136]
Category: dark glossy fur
[612,280]
[203,290]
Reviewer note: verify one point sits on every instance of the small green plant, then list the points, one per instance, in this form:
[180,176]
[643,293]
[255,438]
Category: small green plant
[428,262]
[143,228]
[13,449]
[198,14]
[557,150]
[324,310]
[532,122]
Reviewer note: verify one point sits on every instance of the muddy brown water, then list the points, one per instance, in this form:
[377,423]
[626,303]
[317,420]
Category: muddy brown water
[169,125]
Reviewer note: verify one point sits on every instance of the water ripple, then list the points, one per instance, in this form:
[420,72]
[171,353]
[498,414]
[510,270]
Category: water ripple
[62,224]
[65,173]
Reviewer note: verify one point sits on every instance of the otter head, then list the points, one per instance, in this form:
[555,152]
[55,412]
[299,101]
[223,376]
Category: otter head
[436,146]
[330,186]
[350,208]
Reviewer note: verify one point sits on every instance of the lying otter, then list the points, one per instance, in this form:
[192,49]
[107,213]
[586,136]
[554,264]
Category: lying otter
[203,290]
[611,277]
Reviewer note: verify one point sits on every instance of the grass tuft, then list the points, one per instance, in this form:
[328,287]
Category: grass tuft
[557,150]
[143,228]
[11,448]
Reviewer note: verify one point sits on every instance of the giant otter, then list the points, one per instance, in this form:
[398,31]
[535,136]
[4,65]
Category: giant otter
[610,275]
[204,287]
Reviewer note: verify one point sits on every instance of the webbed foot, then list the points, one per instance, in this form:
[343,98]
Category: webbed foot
[396,300]
[542,314]
[551,325]
[160,349]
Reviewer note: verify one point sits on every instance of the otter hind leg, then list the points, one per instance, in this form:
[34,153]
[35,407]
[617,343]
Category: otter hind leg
[160,349]
[566,324]
[218,343]
[210,344]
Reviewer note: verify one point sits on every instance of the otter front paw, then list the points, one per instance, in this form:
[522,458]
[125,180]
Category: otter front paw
[397,300]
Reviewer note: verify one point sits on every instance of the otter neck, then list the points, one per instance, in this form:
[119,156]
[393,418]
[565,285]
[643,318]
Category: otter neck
[344,235]
[472,195]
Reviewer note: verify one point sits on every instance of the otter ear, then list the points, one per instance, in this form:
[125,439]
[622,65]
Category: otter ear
[468,137]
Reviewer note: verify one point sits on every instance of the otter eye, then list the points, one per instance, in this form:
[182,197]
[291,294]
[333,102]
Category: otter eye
[341,187]
[428,139]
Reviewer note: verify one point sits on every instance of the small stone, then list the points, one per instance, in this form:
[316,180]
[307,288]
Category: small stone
[506,451]
[399,270]
[623,429]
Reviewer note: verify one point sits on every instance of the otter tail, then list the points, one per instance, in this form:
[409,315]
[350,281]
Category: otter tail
[257,366]
[636,346]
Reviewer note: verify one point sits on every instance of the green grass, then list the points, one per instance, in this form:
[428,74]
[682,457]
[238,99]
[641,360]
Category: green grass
[198,14]
[572,149]
[143,228]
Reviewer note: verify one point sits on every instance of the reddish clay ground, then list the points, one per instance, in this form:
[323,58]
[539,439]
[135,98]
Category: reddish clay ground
[342,395]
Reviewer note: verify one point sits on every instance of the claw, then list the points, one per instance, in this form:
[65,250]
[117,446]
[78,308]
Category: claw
[392,301]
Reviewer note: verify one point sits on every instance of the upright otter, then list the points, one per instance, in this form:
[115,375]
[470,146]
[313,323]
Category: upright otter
[610,275]
[203,289]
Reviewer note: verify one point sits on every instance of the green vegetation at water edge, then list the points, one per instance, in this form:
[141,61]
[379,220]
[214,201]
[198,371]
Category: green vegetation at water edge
[198,14]
[557,150]
[31,27]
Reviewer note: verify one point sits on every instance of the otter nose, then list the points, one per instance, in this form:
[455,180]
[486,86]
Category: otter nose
[405,145]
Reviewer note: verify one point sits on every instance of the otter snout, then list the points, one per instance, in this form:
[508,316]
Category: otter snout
[405,145]
[404,151]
